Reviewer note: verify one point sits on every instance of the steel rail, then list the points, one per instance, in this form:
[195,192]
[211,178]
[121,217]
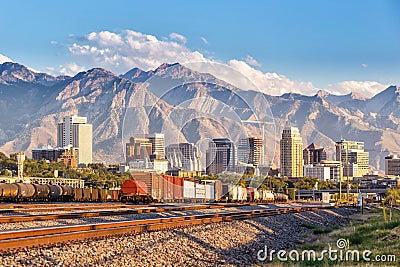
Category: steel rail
[53,235]
[112,212]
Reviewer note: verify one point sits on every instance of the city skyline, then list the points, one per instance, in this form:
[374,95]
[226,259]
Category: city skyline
[298,47]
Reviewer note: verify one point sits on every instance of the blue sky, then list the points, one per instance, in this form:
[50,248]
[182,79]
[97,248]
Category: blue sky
[320,42]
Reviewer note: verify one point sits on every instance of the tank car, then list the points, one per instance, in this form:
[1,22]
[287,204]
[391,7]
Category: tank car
[135,192]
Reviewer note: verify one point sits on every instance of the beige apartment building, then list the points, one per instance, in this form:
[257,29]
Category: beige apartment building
[291,157]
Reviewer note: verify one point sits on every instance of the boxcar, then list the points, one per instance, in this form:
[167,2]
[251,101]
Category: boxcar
[86,194]
[218,190]
[78,194]
[178,189]
[94,196]
[154,183]
[210,195]
[200,192]
[168,192]
[188,190]
[103,194]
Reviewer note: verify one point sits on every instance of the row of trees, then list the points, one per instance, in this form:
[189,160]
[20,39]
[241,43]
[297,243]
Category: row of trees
[269,182]
[96,175]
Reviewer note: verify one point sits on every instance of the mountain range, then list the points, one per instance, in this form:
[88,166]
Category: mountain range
[186,106]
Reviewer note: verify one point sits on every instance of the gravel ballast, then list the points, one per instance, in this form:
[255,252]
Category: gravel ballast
[233,243]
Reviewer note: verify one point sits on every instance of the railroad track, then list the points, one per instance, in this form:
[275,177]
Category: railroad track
[27,208]
[47,236]
[113,212]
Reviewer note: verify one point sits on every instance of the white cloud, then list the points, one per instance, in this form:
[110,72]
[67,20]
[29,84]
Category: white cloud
[364,65]
[272,83]
[4,59]
[178,37]
[128,49]
[71,69]
[366,88]
[204,40]
[120,52]
[252,61]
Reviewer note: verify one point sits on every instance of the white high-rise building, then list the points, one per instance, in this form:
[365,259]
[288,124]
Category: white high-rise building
[157,145]
[77,132]
[183,156]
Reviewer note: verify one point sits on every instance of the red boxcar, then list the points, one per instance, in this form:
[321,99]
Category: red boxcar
[154,183]
[250,194]
[168,188]
[178,189]
[218,190]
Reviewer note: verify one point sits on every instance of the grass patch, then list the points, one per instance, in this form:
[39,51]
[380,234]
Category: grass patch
[322,230]
[308,226]
[366,232]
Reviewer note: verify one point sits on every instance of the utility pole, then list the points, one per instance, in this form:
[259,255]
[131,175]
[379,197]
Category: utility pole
[340,170]
[347,166]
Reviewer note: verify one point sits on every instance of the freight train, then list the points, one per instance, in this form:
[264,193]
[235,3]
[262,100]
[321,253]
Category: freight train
[16,192]
[152,187]
[142,188]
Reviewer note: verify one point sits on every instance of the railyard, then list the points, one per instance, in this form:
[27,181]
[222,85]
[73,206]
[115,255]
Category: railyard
[181,234]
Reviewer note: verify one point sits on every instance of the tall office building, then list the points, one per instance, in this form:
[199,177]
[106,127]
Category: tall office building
[157,145]
[249,150]
[355,161]
[392,165]
[220,156]
[183,156]
[138,148]
[314,154]
[291,157]
[77,132]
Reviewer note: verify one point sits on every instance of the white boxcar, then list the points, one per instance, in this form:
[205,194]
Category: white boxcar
[188,190]
[267,196]
[233,192]
[210,192]
[200,191]
[242,194]
[256,195]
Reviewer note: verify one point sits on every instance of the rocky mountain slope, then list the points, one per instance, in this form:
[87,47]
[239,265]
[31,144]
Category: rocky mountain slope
[186,106]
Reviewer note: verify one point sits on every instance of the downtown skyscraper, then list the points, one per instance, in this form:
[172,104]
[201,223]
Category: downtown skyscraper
[291,157]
